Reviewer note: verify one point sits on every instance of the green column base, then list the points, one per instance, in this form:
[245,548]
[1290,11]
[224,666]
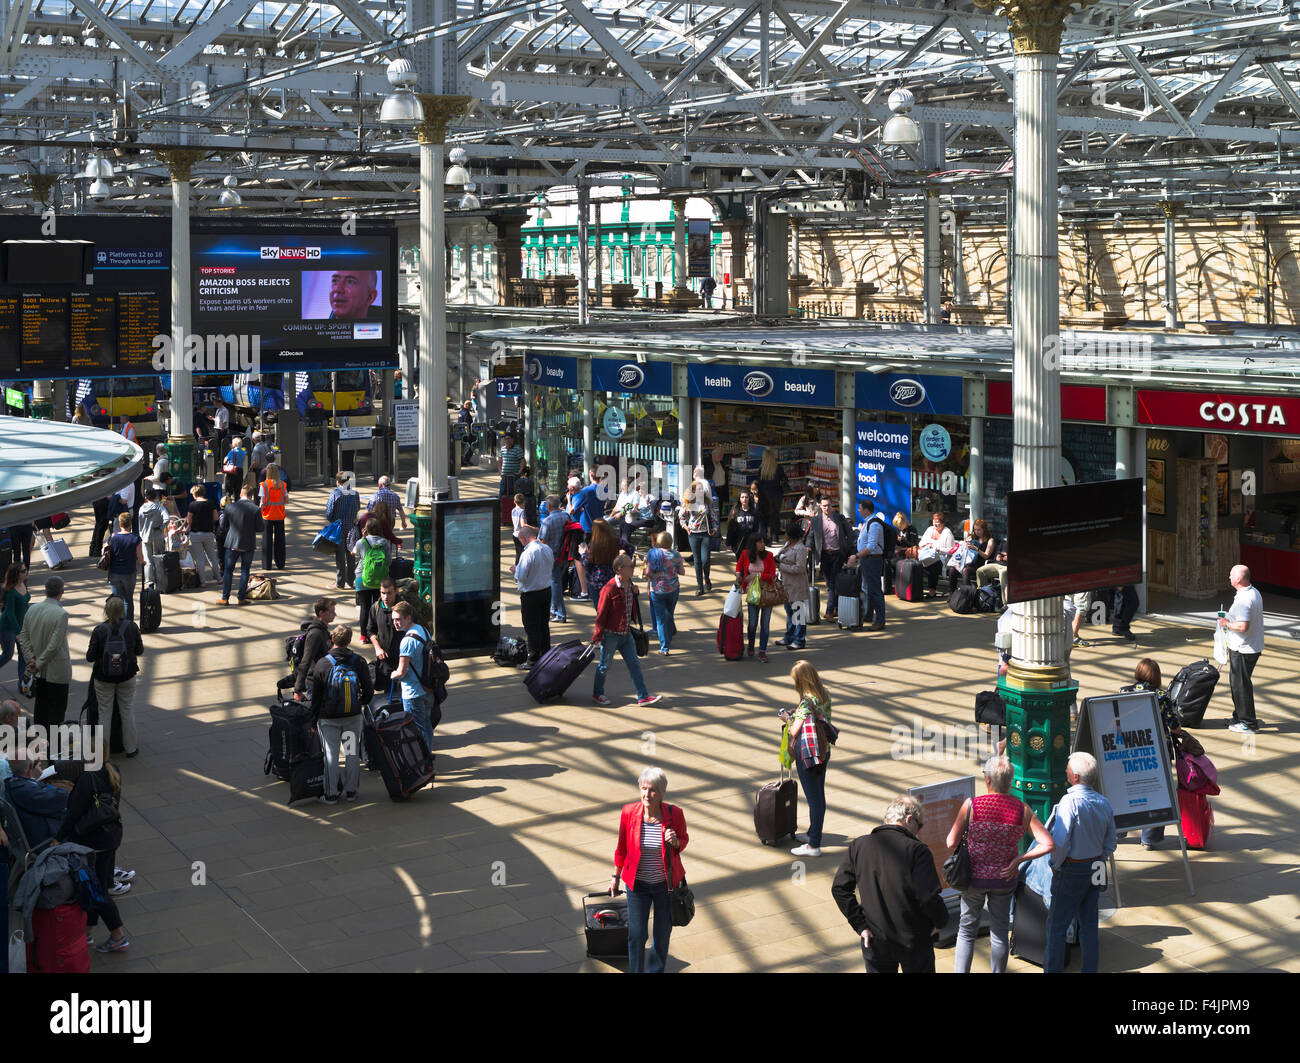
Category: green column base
[1038,741]
[42,411]
[180,458]
[422,525]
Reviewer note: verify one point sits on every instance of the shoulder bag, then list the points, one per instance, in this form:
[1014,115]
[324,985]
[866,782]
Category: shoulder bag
[102,812]
[772,594]
[956,869]
[681,898]
[639,637]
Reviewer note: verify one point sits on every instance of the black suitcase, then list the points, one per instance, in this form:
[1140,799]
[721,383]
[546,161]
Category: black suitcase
[990,708]
[401,568]
[307,777]
[909,580]
[150,610]
[291,736]
[962,599]
[814,604]
[848,583]
[604,918]
[395,745]
[167,568]
[776,811]
[557,669]
[1192,689]
[1029,927]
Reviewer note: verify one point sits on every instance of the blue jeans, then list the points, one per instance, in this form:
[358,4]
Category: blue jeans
[972,905]
[813,781]
[8,644]
[1073,894]
[245,559]
[419,710]
[640,899]
[122,584]
[794,633]
[873,571]
[559,570]
[700,555]
[611,644]
[661,615]
[754,612]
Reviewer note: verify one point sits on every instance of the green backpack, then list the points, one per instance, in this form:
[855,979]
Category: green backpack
[374,567]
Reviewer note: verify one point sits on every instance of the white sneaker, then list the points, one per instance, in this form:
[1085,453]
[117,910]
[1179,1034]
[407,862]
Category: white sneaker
[805,850]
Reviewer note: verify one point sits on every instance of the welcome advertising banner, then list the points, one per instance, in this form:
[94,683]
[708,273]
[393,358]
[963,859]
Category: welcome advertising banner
[883,457]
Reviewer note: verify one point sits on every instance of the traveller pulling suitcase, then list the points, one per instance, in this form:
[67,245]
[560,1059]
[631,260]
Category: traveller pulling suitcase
[604,919]
[55,551]
[1192,689]
[395,745]
[776,810]
[558,668]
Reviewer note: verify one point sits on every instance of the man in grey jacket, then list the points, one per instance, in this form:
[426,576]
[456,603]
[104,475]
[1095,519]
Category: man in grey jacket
[243,523]
[153,522]
[44,642]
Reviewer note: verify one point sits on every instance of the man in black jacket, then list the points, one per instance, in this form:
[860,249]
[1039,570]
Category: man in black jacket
[243,520]
[336,708]
[832,542]
[900,908]
[386,640]
[315,644]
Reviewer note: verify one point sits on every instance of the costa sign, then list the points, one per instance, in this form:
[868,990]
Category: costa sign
[1270,414]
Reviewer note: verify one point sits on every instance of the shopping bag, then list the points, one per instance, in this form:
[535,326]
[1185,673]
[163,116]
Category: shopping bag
[734,603]
[328,538]
[1220,645]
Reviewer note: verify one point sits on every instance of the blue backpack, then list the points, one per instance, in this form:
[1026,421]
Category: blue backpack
[343,689]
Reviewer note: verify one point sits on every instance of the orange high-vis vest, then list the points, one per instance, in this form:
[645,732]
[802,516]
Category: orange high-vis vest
[273,508]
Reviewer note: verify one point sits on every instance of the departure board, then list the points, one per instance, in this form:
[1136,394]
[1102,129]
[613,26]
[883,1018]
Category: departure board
[139,320]
[92,330]
[9,334]
[44,332]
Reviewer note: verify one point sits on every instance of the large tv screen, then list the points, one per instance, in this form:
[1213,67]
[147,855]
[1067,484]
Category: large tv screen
[314,298]
[1076,538]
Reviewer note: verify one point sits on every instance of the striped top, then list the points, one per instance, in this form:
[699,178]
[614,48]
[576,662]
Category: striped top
[651,868]
[511,459]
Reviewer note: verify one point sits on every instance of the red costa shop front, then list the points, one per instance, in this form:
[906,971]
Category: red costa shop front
[1223,487]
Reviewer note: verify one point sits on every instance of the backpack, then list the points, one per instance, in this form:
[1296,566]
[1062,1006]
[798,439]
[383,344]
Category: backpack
[374,567]
[115,658]
[988,599]
[889,536]
[343,688]
[962,599]
[432,669]
[293,648]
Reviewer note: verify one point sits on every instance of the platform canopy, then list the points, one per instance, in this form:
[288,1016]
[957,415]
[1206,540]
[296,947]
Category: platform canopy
[47,467]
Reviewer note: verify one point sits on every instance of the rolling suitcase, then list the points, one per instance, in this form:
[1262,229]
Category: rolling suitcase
[167,567]
[556,670]
[1191,691]
[731,637]
[401,568]
[814,604]
[604,918]
[909,581]
[55,552]
[776,810]
[150,610]
[292,735]
[58,944]
[850,616]
[1029,926]
[848,589]
[306,777]
[1198,819]
[395,745]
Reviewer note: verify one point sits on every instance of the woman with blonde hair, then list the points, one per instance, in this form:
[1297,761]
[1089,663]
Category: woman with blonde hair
[274,496]
[772,487]
[808,745]
[694,515]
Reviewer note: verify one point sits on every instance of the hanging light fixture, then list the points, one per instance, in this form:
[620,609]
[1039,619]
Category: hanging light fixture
[402,107]
[457,174]
[1118,223]
[98,169]
[99,189]
[901,130]
[229,196]
[469,201]
[543,212]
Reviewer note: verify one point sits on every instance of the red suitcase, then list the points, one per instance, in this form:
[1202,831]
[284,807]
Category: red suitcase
[1198,819]
[909,581]
[60,941]
[507,507]
[731,637]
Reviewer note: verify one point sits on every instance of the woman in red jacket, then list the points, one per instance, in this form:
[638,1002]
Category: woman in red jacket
[613,634]
[651,836]
[755,563]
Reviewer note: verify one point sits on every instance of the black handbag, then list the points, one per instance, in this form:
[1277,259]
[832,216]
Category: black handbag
[681,898]
[956,869]
[102,813]
[639,637]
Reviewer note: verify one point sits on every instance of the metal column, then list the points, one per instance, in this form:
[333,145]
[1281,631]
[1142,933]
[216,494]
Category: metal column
[584,208]
[976,469]
[848,463]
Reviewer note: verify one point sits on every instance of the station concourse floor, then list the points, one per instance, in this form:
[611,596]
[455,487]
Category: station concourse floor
[485,871]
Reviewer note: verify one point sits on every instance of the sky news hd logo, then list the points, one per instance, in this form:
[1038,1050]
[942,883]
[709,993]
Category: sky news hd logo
[300,253]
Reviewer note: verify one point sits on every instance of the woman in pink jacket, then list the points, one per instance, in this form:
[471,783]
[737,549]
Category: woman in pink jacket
[651,836]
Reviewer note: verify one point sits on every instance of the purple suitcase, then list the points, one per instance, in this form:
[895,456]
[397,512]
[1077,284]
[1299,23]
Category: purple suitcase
[776,810]
[558,667]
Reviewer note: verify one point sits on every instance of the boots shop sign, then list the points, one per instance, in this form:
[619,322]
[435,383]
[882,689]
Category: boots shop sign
[1220,411]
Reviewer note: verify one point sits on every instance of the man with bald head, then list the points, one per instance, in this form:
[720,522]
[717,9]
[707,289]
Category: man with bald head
[352,291]
[1245,627]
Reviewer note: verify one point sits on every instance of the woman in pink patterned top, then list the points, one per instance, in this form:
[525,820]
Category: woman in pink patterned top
[997,823]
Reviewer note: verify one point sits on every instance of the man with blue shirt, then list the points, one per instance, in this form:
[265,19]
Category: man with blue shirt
[871,562]
[588,505]
[1083,827]
[552,534]
[420,703]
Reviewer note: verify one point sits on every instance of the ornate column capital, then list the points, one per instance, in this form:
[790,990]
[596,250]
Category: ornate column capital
[180,161]
[438,113]
[1036,25]
[40,184]
[1170,207]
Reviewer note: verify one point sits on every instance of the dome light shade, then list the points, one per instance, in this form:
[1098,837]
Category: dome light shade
[98,168]
[99,189]
[402,108]
[231,198]
[901,131]
[456,175]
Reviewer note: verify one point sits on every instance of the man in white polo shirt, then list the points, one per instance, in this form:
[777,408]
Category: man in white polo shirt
[1245,627]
